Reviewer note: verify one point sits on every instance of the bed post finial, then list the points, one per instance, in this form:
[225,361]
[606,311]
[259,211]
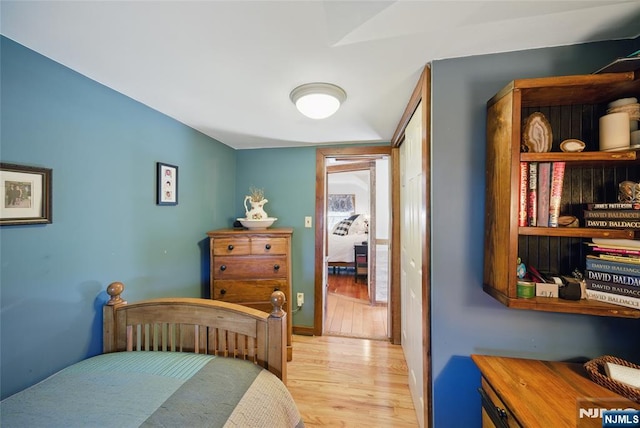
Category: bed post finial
[278,300]
[114,290]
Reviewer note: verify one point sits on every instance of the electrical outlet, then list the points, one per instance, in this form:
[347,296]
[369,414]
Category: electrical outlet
[307,221]
[300,299]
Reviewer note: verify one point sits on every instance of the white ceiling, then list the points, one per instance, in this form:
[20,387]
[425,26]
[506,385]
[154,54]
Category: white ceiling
[226,67]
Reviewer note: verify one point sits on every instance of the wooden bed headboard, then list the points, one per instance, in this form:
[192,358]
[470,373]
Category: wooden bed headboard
[197,325]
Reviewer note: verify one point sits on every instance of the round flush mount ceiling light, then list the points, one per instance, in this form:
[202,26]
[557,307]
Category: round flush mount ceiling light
[318,100]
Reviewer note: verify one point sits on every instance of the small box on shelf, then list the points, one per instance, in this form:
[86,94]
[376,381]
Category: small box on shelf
[546,289]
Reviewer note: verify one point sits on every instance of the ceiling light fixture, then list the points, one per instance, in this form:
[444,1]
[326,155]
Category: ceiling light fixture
[318,100]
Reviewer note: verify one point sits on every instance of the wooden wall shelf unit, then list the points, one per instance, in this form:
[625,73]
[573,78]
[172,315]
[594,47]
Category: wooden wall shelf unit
[573,106]
[248,265]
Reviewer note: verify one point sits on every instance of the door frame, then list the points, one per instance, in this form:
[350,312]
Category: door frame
[421,94]
[370,166]
[321,185]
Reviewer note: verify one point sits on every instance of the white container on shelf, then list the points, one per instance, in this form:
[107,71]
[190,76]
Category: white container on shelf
[614,132]
[635,138]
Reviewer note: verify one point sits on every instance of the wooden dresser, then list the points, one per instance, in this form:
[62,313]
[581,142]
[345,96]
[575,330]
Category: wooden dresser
[248,265]
[519,392]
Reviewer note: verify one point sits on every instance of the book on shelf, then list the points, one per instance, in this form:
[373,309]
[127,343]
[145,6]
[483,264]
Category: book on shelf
[613,206]
[621,268]
[620,290]
[532,194]
[624,258]
[612,214]
[555,192]
[524,187]
[615,299]
[629,244]
[615,250]
[612,224]
[544,183]
[613,278]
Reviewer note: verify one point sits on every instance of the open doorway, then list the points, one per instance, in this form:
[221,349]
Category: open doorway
[353,206]
[357,285]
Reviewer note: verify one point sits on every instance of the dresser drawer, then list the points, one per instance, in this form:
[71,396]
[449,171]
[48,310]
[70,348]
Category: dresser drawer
[266,246]
[232,267]
[253,291]
[230,246]
[494,412]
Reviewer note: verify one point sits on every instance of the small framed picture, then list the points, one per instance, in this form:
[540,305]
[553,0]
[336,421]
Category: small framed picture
[26,195]
[166,184]
[342,202]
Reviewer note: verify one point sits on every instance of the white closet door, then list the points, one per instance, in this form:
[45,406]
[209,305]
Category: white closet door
[411,231]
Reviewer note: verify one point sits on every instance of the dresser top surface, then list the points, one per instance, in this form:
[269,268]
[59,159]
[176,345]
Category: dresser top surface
[541,392]
[249,232]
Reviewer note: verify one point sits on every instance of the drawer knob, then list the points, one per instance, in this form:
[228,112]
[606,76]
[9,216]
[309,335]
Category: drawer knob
[230,247]
[276,267]
[276,289]
[223,267]
[223,292]
[268,246]
[502,413]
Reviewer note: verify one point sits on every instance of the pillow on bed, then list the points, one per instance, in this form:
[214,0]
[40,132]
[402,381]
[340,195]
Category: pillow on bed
[359,226]
[342,228]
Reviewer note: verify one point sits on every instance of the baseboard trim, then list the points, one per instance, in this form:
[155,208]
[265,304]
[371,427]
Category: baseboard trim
[302,330]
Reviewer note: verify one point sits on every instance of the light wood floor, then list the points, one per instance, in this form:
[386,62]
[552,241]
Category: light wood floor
[349,382]
[349,312]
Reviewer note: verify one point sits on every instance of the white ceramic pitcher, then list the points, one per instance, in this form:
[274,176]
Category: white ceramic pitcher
[257,211]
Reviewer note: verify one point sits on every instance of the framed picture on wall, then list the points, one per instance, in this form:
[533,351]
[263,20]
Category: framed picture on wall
[342,202]
[26,195]
[166,184]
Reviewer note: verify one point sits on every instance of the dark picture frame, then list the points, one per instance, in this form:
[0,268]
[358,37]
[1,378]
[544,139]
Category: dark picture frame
[26,195]
[166,184]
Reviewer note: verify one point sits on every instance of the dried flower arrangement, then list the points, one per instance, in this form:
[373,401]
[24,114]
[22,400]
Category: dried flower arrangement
[256,194]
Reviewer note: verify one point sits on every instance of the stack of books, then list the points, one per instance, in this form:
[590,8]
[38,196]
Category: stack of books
[613,216]
[540,193]
[613,272]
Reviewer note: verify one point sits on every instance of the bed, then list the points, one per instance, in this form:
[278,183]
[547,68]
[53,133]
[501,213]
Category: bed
[342,237]
[170,362]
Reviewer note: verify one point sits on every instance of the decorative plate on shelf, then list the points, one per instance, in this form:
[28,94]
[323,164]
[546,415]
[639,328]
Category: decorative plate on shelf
[537,133]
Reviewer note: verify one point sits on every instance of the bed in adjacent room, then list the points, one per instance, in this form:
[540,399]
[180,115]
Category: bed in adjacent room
[342,237]
[170,362]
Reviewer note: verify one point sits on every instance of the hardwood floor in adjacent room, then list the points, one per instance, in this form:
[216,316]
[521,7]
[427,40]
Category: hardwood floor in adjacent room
[350,382]
[349,312]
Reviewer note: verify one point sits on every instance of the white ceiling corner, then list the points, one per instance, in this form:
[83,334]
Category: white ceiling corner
[226,67]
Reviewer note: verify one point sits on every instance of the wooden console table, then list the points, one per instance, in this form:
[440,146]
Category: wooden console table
[519,392]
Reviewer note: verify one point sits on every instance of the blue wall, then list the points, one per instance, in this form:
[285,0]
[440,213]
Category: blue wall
[465,320]
[102,147]
[288,177]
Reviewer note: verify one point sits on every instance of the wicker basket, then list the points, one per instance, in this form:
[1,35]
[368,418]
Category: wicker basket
[597,373]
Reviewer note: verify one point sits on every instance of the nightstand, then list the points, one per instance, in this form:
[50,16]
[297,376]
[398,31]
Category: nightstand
[361,256]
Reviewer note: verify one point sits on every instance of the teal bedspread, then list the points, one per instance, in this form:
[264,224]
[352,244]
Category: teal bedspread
[154,389]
